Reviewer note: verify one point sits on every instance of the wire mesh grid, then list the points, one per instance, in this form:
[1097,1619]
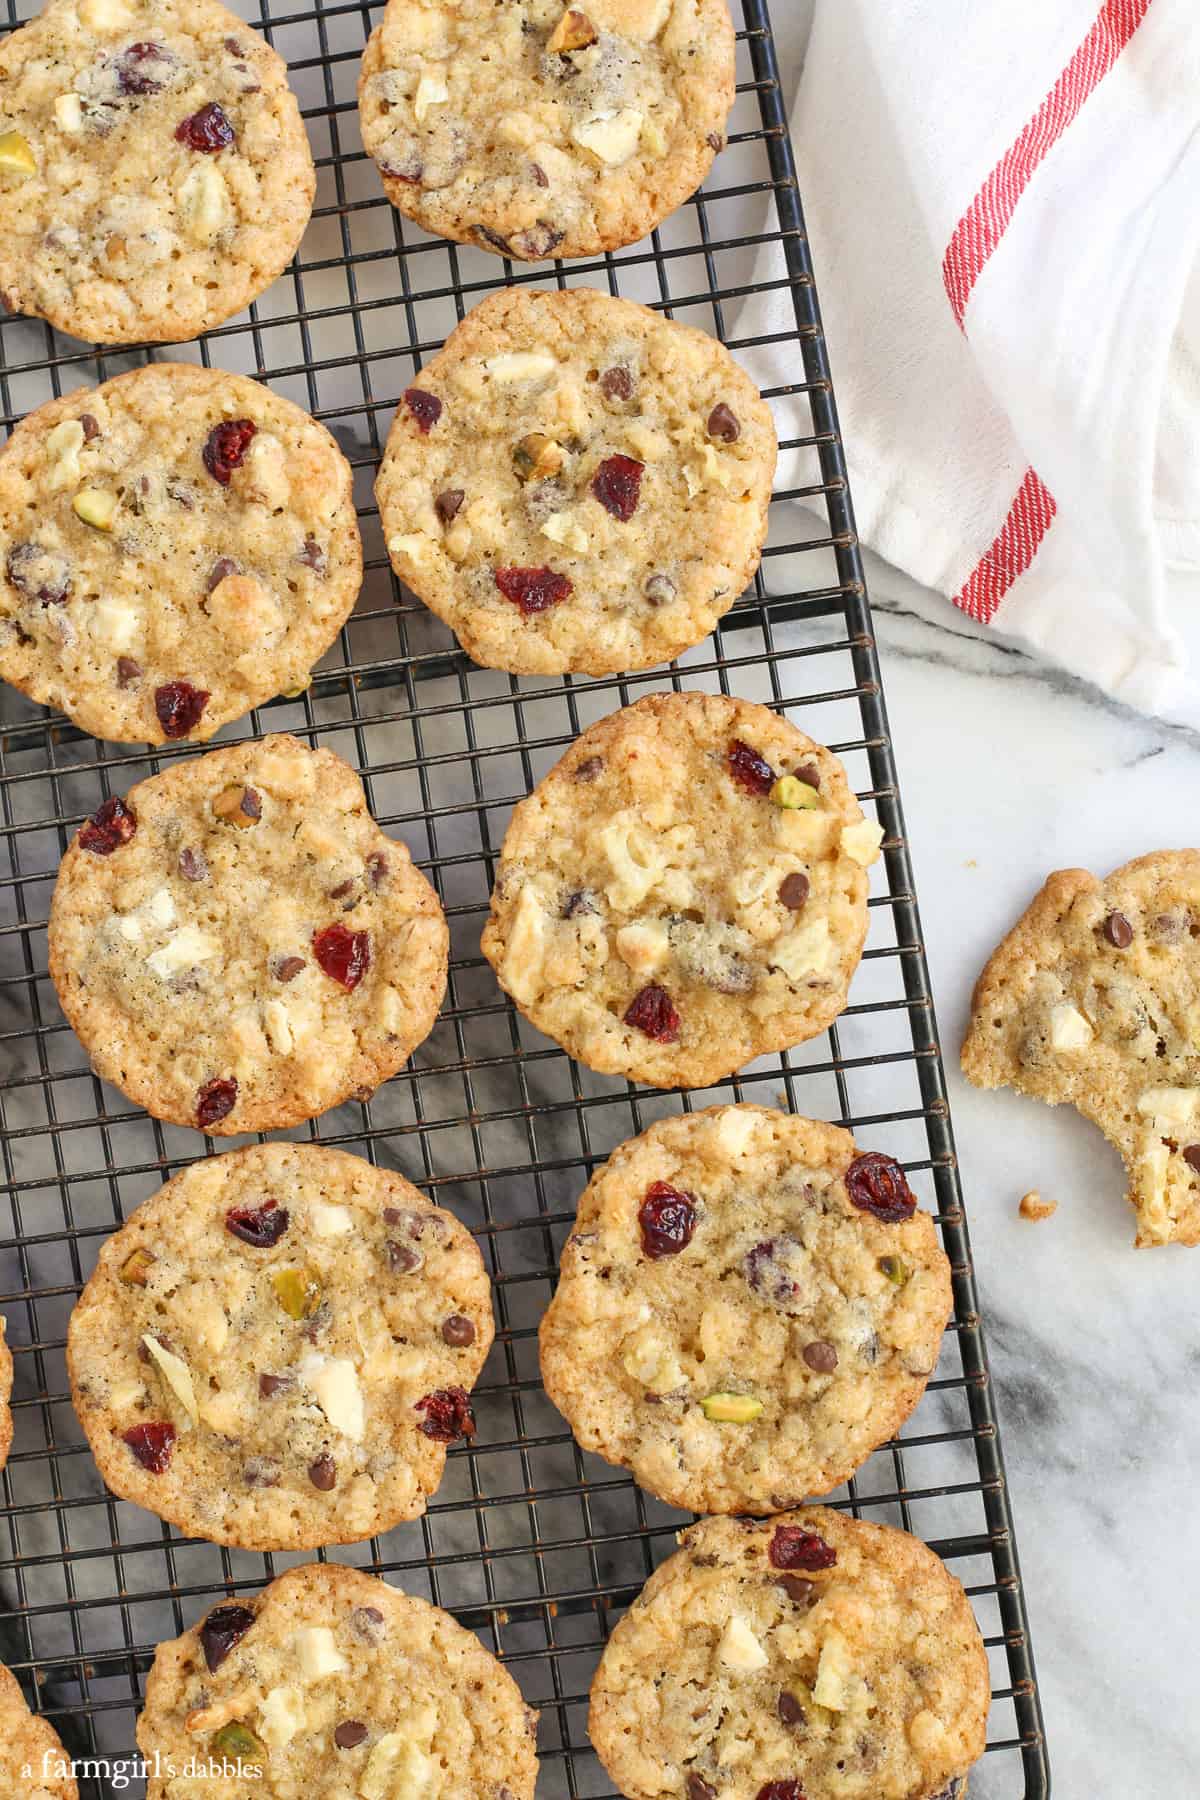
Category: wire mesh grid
[530,1542]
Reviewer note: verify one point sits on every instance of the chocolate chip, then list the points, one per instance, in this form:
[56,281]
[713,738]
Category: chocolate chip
[539,174]
[323,1474]
[127,671]
[220,571]
[810,774]
[1191,1157]
[1118,931]
[313,556]
[261,1472]
[286,968]
[797,1588]
[377,868]
[588,769]
[366,1622]
[274,1384]
[616,384]
[341,890]
[659,589]
[447,504]
[578,902]
[91,427]
[715,141]
[789,1709]
[192,864]
[349,1733]
[793,891]
[698,1788]
[402,1259]
[723,424]
[458,1330]
[821,1356]
[252,803]
[536,240]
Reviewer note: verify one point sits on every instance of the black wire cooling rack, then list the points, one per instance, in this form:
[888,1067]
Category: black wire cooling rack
[530,1542]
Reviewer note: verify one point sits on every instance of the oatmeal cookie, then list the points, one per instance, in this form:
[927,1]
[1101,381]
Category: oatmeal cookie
[276,1349]
[808,1657]
[541,130]
[747,1307]
[33,1762]
[684,891]
[577,483]
[335,1685]
[155,175]
[1094,998]
[237,944]
[178,545]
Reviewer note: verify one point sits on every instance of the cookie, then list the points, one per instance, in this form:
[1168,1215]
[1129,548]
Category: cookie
[239,947]
[1093,998]
[155,175]
[539,130]
[178,545]
[33,1763]
[577,483]
[330,1683]
[809,1657]
[747,1307]
[276,1349]
[684,891]
[6,1386]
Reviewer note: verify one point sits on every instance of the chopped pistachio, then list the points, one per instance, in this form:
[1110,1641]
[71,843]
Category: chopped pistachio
[294,693]
[230,805]
[135,1268]
[96,507]
[239,1742]
[731,1409]
[895,1268]
[795,794]
[536,457]
[15,154]
[298,1291]
[574,31]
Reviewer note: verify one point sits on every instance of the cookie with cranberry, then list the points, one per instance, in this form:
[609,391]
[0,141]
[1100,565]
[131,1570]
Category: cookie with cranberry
[177,546]
[747,1307]
[685,890]
[278,1347]
[808,1657]
[33,1762]
[155,175]
[1092,999]
[237,944]
[336,1685]
[575,482]
[538,130]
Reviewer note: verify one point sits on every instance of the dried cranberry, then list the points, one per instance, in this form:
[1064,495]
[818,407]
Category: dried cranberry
[780,1790]
[127,671]
[261,1226]
[698,1788]
[792,1547]
[425,408]
[447,504]
[616,383]
[723,424]
[216,1100]
[143,68]
[617,484]
[448,1415]
[208,130]
[349,1733]
[667,1217]
[458,1331]
[749,769]
[152,1444]
[533,590]
[224,1627]
[179,706]
[344,955]
[323,1474]
[226,447]
[652,1010]
[876,1184]
[110,825]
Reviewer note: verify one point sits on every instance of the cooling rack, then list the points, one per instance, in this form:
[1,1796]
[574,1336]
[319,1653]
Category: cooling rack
[533,1544]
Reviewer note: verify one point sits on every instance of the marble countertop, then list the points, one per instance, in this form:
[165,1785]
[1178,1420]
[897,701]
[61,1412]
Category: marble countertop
[1009,769]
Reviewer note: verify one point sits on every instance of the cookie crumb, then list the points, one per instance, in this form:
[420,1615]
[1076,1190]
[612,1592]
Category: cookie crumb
[1034,1207]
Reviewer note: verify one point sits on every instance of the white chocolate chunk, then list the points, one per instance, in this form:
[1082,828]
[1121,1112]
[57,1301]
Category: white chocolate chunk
[277,1025]
[635,860]
[861,841]
[833,1671]
[739,1648]
[282,1717]
[317,1653]
[184,949]
[806,951]
[330,1221]
[1173,1105]
[512,366]
[411,544]
[115,623]
[264,472]
[334,1380]
[397,1769]
[526,947]
[1069,1030]
[735,1129]
[204,202]
[124,1394]
[63,445]
[68,113]
[104,15]
[176,1374]
[561,528]
[161,908]
[610,136]
[431,91]
[643,946]
[129,927]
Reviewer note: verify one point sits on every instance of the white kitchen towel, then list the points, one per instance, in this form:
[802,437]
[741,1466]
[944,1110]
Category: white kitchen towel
[1003,198]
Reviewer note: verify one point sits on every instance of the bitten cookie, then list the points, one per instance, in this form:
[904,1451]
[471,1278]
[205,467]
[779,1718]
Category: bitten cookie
[576,483]
[178,545]
[155,175]
[541,130]
[1094,998]
[810,1657]
[747,1307]
[237,944]
[332,1684]
[33,1762]
[276,1349]
[6,1386]
[684,891]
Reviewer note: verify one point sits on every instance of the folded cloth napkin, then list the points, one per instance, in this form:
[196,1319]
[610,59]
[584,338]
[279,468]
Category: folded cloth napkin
[1004,204]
